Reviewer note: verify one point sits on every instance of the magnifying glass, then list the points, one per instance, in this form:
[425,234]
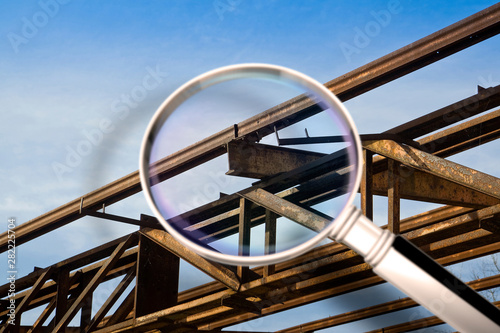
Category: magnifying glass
[285,201]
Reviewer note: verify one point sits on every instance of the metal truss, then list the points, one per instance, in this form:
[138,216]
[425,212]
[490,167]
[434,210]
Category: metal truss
[406,162]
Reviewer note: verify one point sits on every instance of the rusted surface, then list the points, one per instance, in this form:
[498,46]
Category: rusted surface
[389,307]
[469,107]
[366,187]
[415,324]
[287,209]
[423,186]
[440,167]
[259,161]
[394,197]
[467,135]
[217,271]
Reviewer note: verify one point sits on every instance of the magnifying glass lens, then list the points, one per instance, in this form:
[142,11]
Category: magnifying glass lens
[228,135]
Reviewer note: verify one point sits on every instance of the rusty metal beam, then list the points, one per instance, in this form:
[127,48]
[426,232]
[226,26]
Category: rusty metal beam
[270,240]
[112,217]
[49,290]
[156,266]
[415,324]
[94,282]
[453,227]
[427,50]
[379,309]
[70,264]
[448,115]
[219,272]
[244,232]
[394,197]
[287,209]
[37,325]
[437,166]
[23,306]
[123,312]
[63,290]
[256,160]
[85,303]
[461,137]
[466,135]
[422,186]
[111,300]
[491,223]
[366,187]
[240,302]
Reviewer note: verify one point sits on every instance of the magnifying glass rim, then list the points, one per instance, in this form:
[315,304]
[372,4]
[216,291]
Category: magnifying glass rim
[227,73]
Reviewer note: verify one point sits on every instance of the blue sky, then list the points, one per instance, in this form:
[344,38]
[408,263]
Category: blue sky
[70,71]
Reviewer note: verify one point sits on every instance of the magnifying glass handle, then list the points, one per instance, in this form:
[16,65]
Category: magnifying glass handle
[412,271]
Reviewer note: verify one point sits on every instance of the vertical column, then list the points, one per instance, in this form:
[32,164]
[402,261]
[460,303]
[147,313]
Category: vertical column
[270,239]
[367,185]
[63,286]
[244,236]
[157,282]
[86,311]
[393,194]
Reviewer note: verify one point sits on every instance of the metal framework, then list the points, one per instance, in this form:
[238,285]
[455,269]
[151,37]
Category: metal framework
[406,162]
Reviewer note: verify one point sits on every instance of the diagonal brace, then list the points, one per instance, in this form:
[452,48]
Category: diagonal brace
[219,272]
[287,209]
[94,283]
[30,296]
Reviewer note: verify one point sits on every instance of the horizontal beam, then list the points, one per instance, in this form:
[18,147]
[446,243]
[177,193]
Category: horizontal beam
[437,166]
[422,186]
[452,227]
[463,136]
[255,160]
[415,324]
[484,100]
[123,219]
[379,309]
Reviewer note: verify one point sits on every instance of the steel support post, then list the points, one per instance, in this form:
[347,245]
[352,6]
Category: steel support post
[244,236]
[155,267]
[270,239]
[367,185]
[393,194]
